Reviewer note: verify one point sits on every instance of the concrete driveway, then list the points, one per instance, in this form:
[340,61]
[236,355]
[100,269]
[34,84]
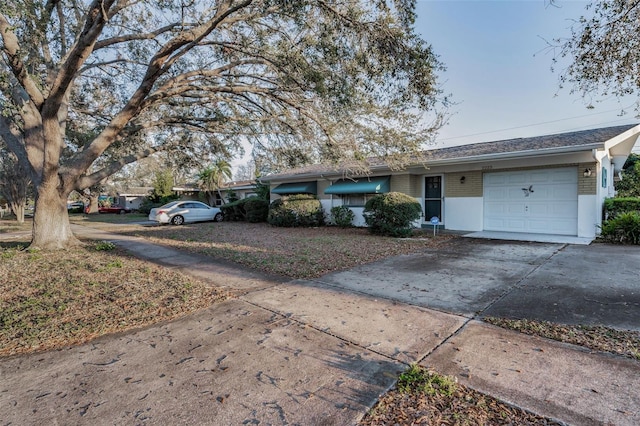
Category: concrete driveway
[322,351]
[573,284]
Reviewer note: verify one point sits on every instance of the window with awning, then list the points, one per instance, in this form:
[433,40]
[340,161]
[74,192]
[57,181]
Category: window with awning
[372,185]
[296,188]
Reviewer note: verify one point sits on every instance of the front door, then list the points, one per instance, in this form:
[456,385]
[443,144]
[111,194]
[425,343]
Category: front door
[433,198]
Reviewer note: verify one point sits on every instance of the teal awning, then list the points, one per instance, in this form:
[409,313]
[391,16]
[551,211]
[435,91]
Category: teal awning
[296,188]
[374,185]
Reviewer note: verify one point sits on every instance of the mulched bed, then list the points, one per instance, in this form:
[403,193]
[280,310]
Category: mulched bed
[599,338]
[456,405]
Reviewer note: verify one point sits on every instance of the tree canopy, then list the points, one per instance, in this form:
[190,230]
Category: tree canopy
[604,51]
[629,185]
[87,87]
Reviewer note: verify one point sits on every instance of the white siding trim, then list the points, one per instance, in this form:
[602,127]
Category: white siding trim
[464,213]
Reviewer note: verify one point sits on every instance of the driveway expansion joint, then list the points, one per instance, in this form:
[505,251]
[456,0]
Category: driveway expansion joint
[325,332]
[391,299]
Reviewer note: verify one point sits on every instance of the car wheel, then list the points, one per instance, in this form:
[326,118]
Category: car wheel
[177,220]
[121,212]
[218,217]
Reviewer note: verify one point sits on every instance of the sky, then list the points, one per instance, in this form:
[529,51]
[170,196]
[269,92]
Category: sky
[499,70]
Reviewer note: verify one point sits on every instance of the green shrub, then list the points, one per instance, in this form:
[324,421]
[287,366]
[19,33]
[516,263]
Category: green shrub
[616,206]
[342,216]
[417,379]
[296,210]
[623,228]
[392,214]
[147,205]
[104,246]
[257,209]
[251,209]
[234,211]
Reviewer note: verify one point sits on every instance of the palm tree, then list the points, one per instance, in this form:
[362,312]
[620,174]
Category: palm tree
[212,178]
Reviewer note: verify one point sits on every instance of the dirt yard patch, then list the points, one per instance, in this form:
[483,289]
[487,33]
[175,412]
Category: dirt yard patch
[55,299]
[292,252]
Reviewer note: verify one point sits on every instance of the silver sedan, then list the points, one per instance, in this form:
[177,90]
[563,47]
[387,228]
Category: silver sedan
[179,212]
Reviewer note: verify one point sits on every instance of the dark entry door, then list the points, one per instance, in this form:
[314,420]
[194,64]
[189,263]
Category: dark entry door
[433,197]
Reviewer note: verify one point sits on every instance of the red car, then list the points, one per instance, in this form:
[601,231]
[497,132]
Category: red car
[113,209]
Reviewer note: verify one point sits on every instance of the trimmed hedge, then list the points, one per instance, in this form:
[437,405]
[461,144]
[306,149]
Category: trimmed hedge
[342,216]
[251,209]
[296,210]
[613,207]
[257,209]
[392,214]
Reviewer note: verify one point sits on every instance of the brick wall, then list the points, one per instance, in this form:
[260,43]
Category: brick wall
[401,183]
[472,186]
[587,185]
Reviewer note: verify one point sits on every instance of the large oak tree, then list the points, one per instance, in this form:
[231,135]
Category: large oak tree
[337,80]
[604,51]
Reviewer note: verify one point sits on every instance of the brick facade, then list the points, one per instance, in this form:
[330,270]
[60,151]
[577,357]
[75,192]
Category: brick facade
[471,187]
[587,185]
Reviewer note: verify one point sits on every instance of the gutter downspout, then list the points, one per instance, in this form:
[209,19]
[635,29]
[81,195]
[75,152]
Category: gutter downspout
[599,198]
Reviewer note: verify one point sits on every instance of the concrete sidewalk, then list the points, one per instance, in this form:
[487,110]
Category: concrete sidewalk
[305,352]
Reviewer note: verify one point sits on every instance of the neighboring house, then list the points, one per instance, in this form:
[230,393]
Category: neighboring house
[553,184]
[132,198]
[187,191]
[129,199]
[242,189]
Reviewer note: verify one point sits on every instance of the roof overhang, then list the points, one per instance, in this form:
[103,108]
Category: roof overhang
[374,185]
[617,148]
[296,188]
[620,147]
[516,154]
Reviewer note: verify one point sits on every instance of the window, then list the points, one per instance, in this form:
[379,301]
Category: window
[356,200]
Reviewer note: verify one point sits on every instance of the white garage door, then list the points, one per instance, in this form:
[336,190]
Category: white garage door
[541,201]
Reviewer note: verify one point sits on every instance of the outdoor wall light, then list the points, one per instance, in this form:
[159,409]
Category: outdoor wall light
[587,172]
[462,179]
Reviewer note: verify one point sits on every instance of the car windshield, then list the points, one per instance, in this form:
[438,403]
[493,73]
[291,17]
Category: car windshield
[169,205]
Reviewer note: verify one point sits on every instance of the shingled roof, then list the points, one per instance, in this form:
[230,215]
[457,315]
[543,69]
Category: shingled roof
[586,139]
[561,140]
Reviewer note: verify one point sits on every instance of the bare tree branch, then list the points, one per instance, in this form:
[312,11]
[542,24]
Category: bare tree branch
[11,47]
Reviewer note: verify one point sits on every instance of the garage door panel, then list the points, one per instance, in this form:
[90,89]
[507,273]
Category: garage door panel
[550,211]
[496,193]
[539,178]
[539,201]
[516,178]
[567,192]
[514,224]
[515,208]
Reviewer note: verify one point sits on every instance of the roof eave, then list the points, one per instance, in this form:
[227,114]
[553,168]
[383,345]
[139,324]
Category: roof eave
[518,154]
[458,160]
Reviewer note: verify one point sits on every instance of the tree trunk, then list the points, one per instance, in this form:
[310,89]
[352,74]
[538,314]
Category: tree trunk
[211,198]
[18,210]
[92,208]
[51,227]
